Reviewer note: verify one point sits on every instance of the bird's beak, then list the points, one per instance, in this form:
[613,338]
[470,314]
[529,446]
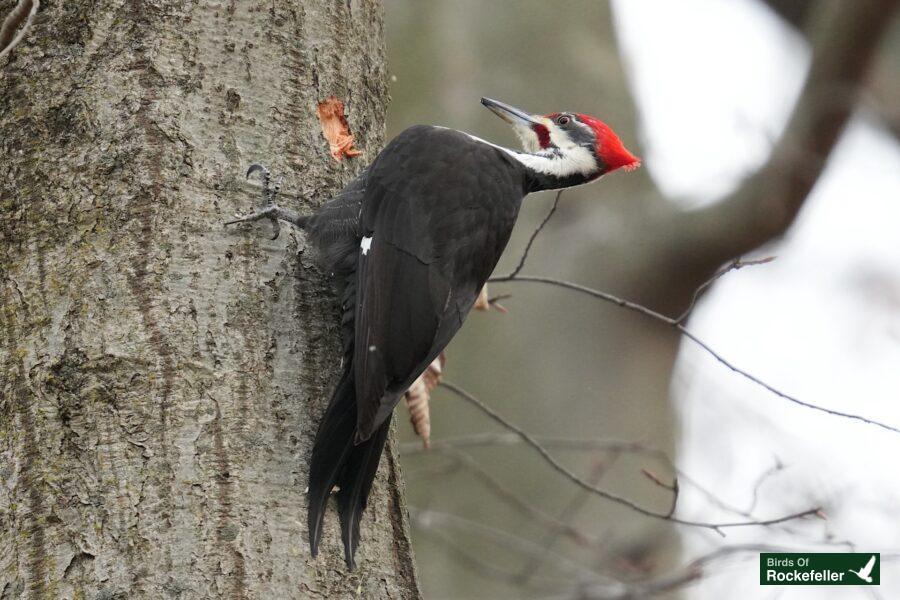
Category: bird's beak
[510,114]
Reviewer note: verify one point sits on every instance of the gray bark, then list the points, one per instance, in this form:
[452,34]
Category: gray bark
[162,377]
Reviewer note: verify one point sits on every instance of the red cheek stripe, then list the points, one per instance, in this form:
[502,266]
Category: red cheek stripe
[543,135]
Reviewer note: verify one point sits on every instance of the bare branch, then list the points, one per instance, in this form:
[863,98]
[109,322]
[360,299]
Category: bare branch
[534,235]
[510,439]
[513,499]
[612,446]
[734,265]
[844,36]
[583,584]
[673,487]
[579,481]
[674,323]
[796,13]
[22,15]
[494,301]
[776,468]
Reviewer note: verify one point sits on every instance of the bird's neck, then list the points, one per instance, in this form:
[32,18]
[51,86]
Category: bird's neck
[553,168]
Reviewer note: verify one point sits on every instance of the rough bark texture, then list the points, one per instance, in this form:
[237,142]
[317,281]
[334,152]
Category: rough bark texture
[162,377]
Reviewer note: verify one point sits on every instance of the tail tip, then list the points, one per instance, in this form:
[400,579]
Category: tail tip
[315,533]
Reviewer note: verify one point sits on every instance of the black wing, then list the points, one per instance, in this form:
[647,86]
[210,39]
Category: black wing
[435,210]
[334,228]
[437,214]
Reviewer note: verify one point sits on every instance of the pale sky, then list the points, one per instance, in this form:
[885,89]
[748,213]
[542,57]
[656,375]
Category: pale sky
[717,79]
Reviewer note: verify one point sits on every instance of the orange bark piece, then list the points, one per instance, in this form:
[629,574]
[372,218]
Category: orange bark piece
[335,128]
[418,396]
[484,303]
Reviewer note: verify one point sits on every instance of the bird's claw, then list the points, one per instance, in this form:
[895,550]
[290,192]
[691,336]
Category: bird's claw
[270,193]
[256,167]
[265,213]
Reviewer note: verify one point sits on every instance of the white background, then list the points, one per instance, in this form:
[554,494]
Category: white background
[715,82]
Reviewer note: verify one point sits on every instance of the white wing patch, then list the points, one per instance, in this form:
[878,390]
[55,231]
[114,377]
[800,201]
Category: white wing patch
[365,244]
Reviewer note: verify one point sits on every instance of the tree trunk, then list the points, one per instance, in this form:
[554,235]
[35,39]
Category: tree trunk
[163,377]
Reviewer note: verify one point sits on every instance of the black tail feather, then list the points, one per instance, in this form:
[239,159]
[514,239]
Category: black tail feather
[334,442]
[337,461]
[355,482]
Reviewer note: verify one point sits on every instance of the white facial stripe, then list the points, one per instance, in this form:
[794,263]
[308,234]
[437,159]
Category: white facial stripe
[558,137]
[365,244]
[529,139]
[574,160]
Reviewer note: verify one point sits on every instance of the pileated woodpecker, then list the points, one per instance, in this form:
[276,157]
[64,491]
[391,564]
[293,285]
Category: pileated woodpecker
[411,241]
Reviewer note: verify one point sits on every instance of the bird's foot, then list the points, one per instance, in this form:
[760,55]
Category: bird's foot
[270,209]
[269,212]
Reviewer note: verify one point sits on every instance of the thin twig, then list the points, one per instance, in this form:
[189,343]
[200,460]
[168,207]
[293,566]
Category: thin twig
[608,445]
[476,440]
[673,487]
[674,323]
[776,468]
[495,302]
[513,499]
[559,468]
[534,235]
[734,265]
[24,11]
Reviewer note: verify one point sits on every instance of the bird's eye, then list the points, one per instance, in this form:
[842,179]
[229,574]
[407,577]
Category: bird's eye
[562,120]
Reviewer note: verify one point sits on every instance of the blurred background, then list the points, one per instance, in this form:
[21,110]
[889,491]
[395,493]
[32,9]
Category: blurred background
[702,91]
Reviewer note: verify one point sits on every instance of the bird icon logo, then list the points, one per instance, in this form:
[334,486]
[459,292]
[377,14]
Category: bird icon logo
[866,572]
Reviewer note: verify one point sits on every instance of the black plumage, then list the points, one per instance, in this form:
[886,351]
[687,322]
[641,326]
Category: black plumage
[439,207]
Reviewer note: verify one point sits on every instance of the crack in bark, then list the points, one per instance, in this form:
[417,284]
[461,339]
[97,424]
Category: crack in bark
[29,478]
[144,211]
[227,542]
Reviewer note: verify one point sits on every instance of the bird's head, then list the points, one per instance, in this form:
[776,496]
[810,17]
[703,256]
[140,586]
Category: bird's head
[572,143]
